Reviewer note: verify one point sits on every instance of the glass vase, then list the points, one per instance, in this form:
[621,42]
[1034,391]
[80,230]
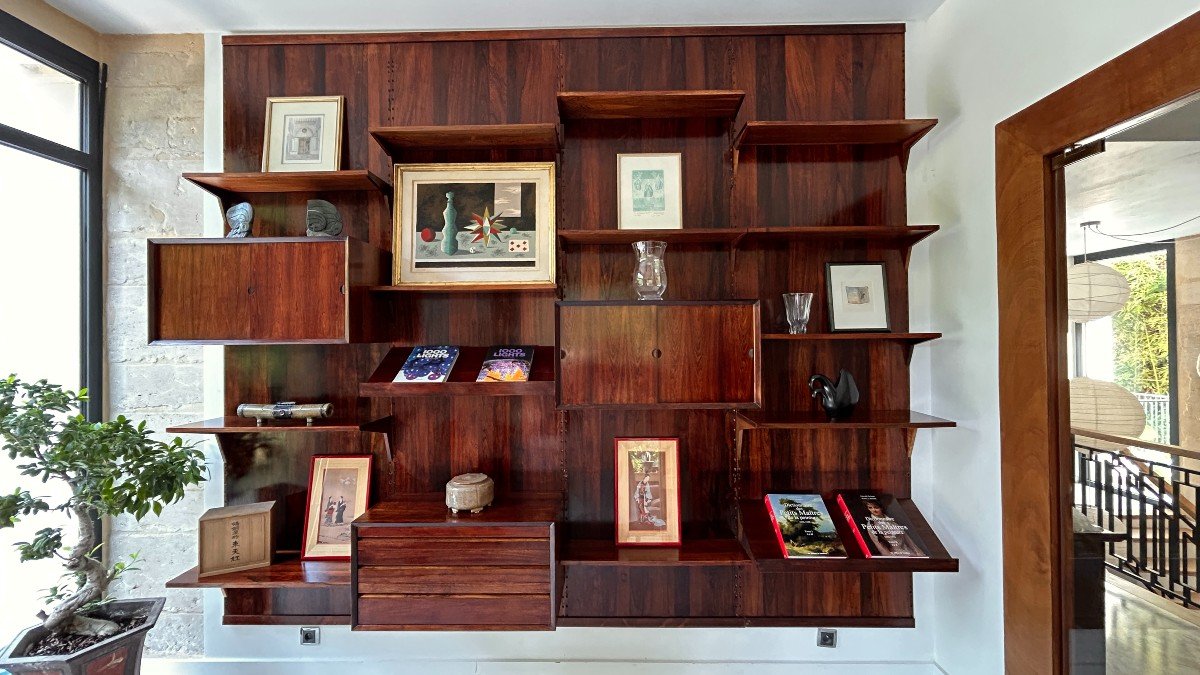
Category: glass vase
[797,306]
[650,276]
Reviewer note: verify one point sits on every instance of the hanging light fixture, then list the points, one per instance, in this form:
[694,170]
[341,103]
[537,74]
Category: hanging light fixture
[1106,407]
[1094,291]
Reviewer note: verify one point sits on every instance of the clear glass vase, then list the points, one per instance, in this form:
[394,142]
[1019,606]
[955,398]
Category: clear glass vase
[650,277]
[796,306]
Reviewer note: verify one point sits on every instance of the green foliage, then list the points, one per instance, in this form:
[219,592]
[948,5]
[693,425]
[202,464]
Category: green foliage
[112,468]
[1140,328]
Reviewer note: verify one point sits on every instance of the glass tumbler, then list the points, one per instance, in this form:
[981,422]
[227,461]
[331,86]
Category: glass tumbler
[797,305]
[650,276]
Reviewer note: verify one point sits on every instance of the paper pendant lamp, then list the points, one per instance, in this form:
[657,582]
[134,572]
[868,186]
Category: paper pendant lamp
[1095,291]
[1105,407]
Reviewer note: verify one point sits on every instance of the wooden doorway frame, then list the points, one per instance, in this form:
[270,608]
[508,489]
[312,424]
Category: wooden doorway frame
[1031,258]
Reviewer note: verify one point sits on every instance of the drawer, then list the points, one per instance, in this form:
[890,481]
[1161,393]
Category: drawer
[458,580]
[453,551]
[456,612]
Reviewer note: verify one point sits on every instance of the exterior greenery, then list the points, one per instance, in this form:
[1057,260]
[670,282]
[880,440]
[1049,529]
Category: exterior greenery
[112,468]
[1140,328]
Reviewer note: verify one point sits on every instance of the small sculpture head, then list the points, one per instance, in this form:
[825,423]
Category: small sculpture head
[323,219]
[239,216]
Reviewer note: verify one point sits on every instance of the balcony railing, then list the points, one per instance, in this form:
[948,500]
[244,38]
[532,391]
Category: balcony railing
[1158,414]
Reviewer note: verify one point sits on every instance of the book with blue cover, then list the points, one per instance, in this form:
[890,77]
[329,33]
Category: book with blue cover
[804,527]
[428,363]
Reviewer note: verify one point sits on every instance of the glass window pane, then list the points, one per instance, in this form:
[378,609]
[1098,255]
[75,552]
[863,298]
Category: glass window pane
[39,99]
[39,337]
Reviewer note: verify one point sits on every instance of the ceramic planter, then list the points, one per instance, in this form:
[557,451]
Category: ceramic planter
[118,655]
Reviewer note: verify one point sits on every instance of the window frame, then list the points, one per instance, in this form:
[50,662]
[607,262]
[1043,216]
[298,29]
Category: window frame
[89,159]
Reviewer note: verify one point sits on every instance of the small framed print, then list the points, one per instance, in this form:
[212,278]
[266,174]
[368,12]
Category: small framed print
[338,489]
[649,192]
[858,299]
[303,134]
[647,496]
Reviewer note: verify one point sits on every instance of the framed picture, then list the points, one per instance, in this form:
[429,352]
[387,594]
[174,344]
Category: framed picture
[858,299]
[647,496]
[303,134]
[338,487]
[649,192]
[474,224]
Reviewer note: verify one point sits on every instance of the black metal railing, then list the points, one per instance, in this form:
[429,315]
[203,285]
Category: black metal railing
[1153,505]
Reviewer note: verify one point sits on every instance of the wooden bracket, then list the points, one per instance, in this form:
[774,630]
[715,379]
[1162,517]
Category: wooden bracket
[910,439]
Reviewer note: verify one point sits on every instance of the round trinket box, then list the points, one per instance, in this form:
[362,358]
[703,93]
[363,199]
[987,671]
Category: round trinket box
[470,492]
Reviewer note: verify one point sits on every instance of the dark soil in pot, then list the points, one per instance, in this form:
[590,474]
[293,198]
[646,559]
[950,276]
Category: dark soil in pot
[68,643]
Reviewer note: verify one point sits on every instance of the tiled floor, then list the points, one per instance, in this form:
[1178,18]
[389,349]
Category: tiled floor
[1143,636]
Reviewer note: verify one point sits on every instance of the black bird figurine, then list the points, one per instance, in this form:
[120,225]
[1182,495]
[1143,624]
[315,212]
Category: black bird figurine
[838,399]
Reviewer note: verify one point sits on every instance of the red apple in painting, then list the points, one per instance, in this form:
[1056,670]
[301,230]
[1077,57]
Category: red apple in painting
[427,234]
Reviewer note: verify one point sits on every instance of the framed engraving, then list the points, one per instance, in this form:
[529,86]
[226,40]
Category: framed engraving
[858,298]
[303,134]
[649,191]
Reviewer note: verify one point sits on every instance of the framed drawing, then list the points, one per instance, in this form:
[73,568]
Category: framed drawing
[647,492]
[303,134]
[338,488]
[858,299]
[473,225]
[650,191]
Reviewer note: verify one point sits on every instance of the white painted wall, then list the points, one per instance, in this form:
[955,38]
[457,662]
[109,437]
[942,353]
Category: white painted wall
[972,64]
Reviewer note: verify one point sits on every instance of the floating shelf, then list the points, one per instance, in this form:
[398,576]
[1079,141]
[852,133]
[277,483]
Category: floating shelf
[848,132]
[694,553]
[288,573]
[467,288]
[900,237]
[395,140]
[462,377]
[611,105]
[227,186]
[758,535]
[879,419]
[626,237]
[911,338]
[243,425]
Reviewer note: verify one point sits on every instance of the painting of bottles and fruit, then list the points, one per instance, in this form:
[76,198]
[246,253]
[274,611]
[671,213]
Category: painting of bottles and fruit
[474,224]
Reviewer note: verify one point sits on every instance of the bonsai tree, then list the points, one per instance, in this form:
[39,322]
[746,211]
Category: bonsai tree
[111,468]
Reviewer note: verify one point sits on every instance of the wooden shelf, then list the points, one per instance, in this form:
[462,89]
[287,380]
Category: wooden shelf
[910,338]
[758,535]
[625,237]
[430,509]
[288,573]
[612,105]
[861,419]
[395,140]
[229,185]
[462,377]
[903,133]
[468,288]
[900,237]
[243,425]
[693,553]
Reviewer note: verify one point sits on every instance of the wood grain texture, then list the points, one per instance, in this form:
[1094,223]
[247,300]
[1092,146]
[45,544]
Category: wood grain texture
[398,140]
[901,133]
[461,381]
[644,104]
[1034,417]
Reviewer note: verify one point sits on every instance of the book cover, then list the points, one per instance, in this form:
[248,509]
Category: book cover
[881,527]
[803,526]
[428,363]
[507,363]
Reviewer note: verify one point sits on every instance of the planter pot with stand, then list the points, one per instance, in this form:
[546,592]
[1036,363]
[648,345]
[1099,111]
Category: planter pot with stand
[118,655]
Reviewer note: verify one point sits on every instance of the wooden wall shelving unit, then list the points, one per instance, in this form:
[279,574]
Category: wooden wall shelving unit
[789,142]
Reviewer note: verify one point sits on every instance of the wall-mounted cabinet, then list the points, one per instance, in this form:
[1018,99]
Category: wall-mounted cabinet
[671,354]
[269,290]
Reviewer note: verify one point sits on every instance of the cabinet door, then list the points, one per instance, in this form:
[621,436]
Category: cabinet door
[606,355]
[298,291]
[199,293]
[708,354]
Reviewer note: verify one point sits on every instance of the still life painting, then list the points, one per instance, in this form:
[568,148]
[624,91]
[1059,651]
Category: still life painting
[474,224]
[338,489]
[647,491]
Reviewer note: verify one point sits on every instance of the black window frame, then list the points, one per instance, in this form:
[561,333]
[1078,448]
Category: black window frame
[89,159]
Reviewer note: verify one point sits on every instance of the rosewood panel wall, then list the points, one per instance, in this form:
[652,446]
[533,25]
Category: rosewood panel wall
[828,73]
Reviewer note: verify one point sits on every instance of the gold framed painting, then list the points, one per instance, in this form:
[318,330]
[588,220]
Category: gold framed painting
[303,133]
[473,225]
[338,489]
[647,492]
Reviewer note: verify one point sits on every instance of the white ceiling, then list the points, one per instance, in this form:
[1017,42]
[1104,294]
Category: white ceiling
[269,16]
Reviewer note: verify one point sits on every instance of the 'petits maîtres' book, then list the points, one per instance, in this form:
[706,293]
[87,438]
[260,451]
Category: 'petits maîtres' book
[881,527]
[428,363]
[506,363]
[803,526]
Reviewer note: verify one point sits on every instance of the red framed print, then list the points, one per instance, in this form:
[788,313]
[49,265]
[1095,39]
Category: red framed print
[338,489]
[647,492]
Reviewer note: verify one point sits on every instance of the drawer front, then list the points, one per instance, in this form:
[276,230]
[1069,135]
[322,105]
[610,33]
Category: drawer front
[466,611]
[454,551]
[607,355]
[708,354]
[457,580]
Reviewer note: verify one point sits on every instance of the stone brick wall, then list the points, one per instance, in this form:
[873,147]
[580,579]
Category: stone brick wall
[153,133]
